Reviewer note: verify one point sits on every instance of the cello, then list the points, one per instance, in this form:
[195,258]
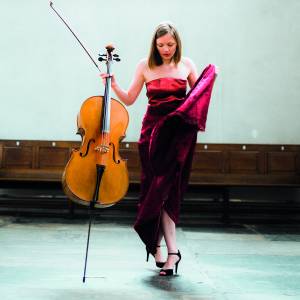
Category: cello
[96,175]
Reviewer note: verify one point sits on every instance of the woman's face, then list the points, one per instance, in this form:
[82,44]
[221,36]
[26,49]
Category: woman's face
[166,46]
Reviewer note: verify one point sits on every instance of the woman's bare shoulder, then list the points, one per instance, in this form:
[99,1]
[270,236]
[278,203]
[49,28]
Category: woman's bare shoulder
[142,64]
[141,70]
[188,62]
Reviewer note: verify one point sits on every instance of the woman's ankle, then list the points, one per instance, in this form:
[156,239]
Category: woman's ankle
[173,250]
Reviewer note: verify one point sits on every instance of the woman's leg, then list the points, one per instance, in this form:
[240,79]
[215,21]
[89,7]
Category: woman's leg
[169,231]
[158,255]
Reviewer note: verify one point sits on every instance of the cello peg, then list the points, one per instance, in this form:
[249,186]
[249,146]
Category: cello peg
[116,57]
[100,58]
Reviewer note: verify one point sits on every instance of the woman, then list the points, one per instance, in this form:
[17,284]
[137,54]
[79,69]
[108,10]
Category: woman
[165,74]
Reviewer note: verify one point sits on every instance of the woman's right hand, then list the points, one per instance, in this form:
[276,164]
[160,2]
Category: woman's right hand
[105,75]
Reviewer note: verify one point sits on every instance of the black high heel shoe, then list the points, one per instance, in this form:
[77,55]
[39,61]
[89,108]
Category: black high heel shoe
[169,272]
[159,264]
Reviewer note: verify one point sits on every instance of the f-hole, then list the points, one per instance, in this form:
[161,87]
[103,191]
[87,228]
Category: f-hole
[87,149]
[114,153]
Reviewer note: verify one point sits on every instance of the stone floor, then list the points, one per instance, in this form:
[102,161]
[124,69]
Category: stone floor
[43,258]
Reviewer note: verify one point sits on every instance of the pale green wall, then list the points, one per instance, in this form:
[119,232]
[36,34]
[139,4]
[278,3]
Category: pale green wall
[45,76]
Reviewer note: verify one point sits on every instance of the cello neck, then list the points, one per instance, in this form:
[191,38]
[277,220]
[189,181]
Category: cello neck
[105,128]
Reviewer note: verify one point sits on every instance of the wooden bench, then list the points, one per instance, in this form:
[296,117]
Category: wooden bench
[216,166]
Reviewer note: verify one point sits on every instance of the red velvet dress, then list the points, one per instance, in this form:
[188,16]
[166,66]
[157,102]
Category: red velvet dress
[166,146]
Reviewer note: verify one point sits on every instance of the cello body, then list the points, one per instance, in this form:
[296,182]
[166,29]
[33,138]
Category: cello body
[80,174]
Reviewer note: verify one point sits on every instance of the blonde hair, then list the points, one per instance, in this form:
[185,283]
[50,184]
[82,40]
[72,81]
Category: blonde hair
[154,58]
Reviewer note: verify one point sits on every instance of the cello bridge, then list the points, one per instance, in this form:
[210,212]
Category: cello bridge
[102,149]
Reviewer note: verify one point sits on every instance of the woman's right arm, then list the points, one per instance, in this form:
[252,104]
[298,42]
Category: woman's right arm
[128,97]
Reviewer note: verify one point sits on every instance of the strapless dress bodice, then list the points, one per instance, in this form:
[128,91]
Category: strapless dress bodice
[166,89]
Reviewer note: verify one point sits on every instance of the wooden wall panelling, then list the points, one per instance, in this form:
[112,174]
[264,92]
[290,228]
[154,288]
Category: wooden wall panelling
[216,164]
[210,161]
[261,162]
[244,162]
[129,152]
[53,156]
[35,162]
[208,165]
[1,154]
[17,155]
[226,162]
[281,162]
[298,163]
